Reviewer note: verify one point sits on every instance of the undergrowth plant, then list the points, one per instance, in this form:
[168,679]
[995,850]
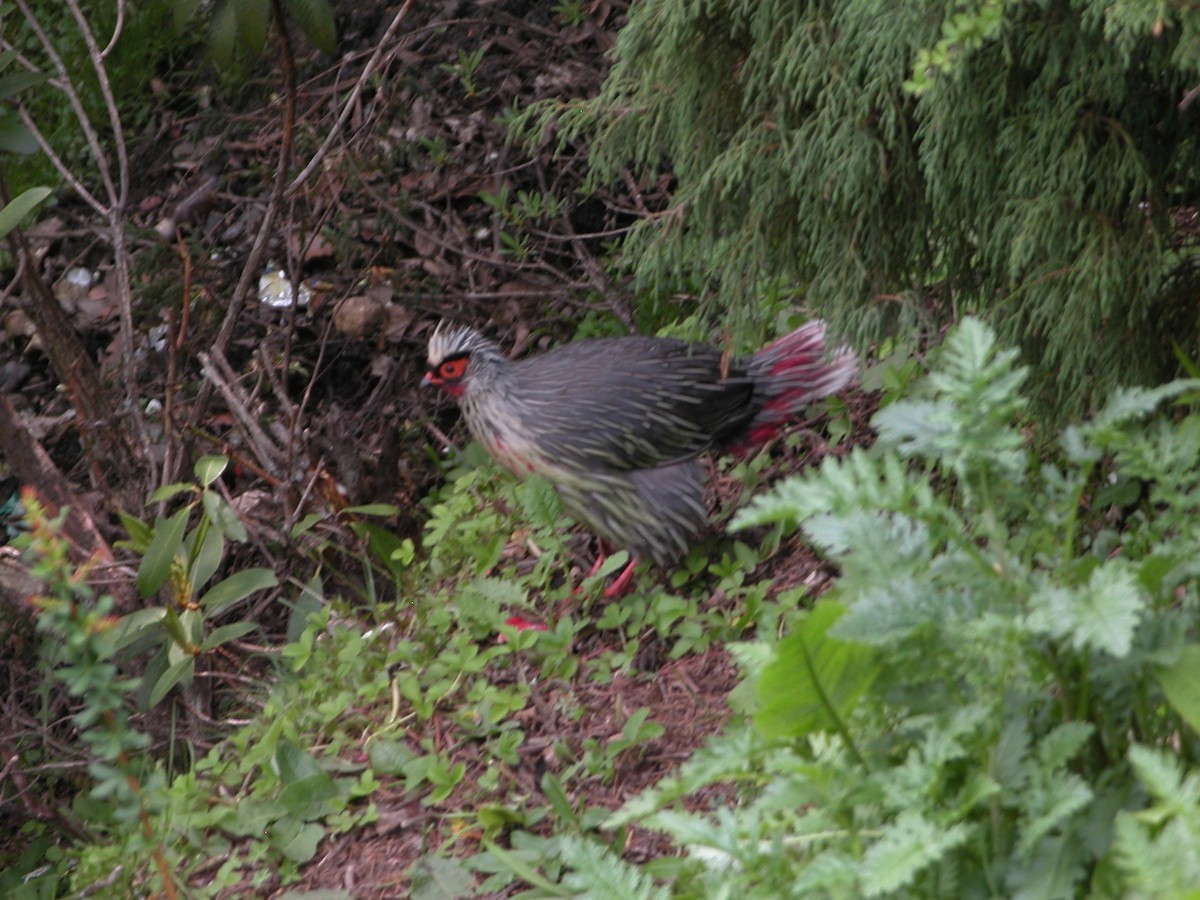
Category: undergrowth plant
[126,786]
[430,694]
[178,563]
[796,136]
[998,698]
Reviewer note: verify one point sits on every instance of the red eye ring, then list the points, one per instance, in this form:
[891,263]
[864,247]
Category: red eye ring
[453,369]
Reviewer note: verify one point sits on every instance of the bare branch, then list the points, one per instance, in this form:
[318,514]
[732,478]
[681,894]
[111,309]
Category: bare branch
[61,167]
[352,100]
[72,95]
[119,196]
[265,449]
[117,29]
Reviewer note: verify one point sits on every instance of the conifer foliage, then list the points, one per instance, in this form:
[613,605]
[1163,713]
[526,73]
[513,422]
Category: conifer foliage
[1034,162]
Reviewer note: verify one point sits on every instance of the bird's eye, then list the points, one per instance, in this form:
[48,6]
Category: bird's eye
[453,369]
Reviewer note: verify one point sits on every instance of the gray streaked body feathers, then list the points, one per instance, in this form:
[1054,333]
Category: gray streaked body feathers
[617,423]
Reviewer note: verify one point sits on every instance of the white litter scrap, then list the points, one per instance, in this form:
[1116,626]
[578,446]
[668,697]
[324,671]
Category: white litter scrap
[275,289]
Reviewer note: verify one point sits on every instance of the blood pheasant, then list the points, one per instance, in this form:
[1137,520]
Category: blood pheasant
[616,424]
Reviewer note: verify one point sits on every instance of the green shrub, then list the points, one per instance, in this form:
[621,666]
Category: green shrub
[1044,181]
[998,697]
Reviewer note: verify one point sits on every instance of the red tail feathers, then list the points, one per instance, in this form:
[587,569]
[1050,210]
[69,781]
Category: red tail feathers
[788,375]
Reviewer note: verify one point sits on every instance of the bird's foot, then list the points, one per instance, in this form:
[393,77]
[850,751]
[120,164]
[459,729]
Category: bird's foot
[520,623]
[623,583]
[619,586]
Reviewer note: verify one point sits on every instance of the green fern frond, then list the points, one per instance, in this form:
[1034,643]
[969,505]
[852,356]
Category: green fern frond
[599,874]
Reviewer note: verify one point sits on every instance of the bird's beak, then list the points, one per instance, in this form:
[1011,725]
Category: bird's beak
[430,380]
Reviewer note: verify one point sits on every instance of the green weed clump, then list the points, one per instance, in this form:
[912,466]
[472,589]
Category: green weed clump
[998,697]
[417,694]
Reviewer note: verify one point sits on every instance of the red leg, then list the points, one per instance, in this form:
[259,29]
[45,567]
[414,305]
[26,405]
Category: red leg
[596,565]
[622,583]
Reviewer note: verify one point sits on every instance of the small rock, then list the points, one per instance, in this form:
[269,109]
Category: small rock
[73,287]
[360,316]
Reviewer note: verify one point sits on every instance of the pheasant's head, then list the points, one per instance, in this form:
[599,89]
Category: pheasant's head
[459,357]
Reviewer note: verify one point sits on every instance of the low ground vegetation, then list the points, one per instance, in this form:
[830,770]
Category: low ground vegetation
[937,643]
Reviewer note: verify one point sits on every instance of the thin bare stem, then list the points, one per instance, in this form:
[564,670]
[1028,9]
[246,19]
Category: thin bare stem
[68,88]
[266,450]
[61,167]
[116,189]
[120,194]
[117,29]
[252,269]
[352,100]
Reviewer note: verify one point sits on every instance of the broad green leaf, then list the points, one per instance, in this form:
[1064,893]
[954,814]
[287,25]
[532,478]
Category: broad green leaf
[389,757]
[19,81]
[1181,683]
[312,797]
[553,789]
[1100,615]
[908,845]
[236,587]
[15,137]
[179,672]
[168,491]
[310,601]
[636,728]
[225,34]
[1153,570]
[222,516]
[315,18]
[292,763]
[405,553]
[497,818]
[613,563]
[383,545]
[435,878]
[306,524]
[207,559]
[167,544]
[20,206]
[815,680]
[384,510]
[140,534]
[134,625]
[226,633]
[192,622]
[209,468]
[155,668]
[297,841]
[178,651]
[253,20]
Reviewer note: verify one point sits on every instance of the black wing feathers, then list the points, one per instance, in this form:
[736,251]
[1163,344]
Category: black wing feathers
[632,403]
